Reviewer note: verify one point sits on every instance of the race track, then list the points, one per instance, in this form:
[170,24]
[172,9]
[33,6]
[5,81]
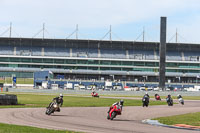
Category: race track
[93,119]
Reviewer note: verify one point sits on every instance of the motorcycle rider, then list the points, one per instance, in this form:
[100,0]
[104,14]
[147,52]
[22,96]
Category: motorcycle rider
[146,95]
[179,96]
[93,92]
[157,97]
[168,98]
[59,101]
[119,104]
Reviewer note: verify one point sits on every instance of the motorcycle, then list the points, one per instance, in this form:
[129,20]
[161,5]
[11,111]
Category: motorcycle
[181,101]
[145,101]
[114,111]
[95,94]
[169,101]
[52,108]
[157,97]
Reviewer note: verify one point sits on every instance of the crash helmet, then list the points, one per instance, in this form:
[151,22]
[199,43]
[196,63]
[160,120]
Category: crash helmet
[121,102]
[169,95]
[146,93]
[178,95]
[61,95]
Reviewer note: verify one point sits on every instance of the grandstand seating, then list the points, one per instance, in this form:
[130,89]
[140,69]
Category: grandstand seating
[36,51]
[141,54]
[173,55]
[118,54]
[6,50]
[58,51]
[97,53]
[192,56]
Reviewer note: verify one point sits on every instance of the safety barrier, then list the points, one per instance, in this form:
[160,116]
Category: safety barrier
[8,99]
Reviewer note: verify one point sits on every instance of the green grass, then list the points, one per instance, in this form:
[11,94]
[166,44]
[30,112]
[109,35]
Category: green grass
[7,128]
[35,100]
[189,119]
[19,80]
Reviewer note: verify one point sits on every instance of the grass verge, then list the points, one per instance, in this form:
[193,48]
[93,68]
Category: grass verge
[189,119]
[7,128]
[36,100]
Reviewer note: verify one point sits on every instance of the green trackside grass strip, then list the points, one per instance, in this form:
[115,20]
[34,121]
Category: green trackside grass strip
[34,100]
[6,128]
[106,95]
[189,119]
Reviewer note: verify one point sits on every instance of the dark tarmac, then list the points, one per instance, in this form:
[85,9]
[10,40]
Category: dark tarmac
[93,119]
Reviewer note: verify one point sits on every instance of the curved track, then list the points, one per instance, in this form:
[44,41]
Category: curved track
[93,119]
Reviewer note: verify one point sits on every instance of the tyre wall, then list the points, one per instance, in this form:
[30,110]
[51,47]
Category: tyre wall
[6,99]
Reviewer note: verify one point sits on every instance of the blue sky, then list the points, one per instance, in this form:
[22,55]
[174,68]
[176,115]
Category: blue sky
[94,17]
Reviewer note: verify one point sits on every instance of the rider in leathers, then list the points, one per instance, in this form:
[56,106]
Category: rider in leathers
[59,101]
[120,104]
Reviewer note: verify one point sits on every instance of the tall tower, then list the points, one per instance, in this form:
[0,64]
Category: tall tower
[162,52]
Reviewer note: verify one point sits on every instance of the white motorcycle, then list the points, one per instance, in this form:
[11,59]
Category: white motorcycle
[181,101]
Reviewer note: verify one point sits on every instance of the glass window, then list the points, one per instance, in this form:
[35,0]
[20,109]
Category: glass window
[127,69]
[58,61]
[95,62]
[3,65]
[129,63]
[171,65]
[139,64]
[115,63]
[12,65]
[115,68]
[82,62]
[194,65]
[48,61]
[26,60]
[151,64]
[81,67]
[92,68]
[35,60]
[70,61]
[15,60]
[104,68]
[104,62]
[4,59]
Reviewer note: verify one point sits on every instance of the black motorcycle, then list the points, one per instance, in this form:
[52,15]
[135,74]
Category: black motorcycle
[169,101]
[145,101]
[52,108]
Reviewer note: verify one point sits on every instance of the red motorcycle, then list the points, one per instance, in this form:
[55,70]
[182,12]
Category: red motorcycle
[157,97]
[114,111]
[94,94]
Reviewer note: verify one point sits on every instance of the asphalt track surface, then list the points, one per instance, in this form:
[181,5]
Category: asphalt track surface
[93,119]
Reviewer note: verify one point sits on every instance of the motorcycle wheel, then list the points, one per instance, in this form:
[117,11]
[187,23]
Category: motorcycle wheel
[108,117]
[113,115]
[46,111]
[50,110]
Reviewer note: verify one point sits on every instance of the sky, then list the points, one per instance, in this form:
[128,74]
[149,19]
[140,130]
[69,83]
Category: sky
[128,19]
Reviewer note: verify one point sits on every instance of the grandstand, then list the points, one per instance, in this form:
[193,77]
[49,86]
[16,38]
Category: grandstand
[97,60]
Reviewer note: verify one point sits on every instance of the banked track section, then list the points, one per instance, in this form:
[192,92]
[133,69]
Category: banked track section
[93,119]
